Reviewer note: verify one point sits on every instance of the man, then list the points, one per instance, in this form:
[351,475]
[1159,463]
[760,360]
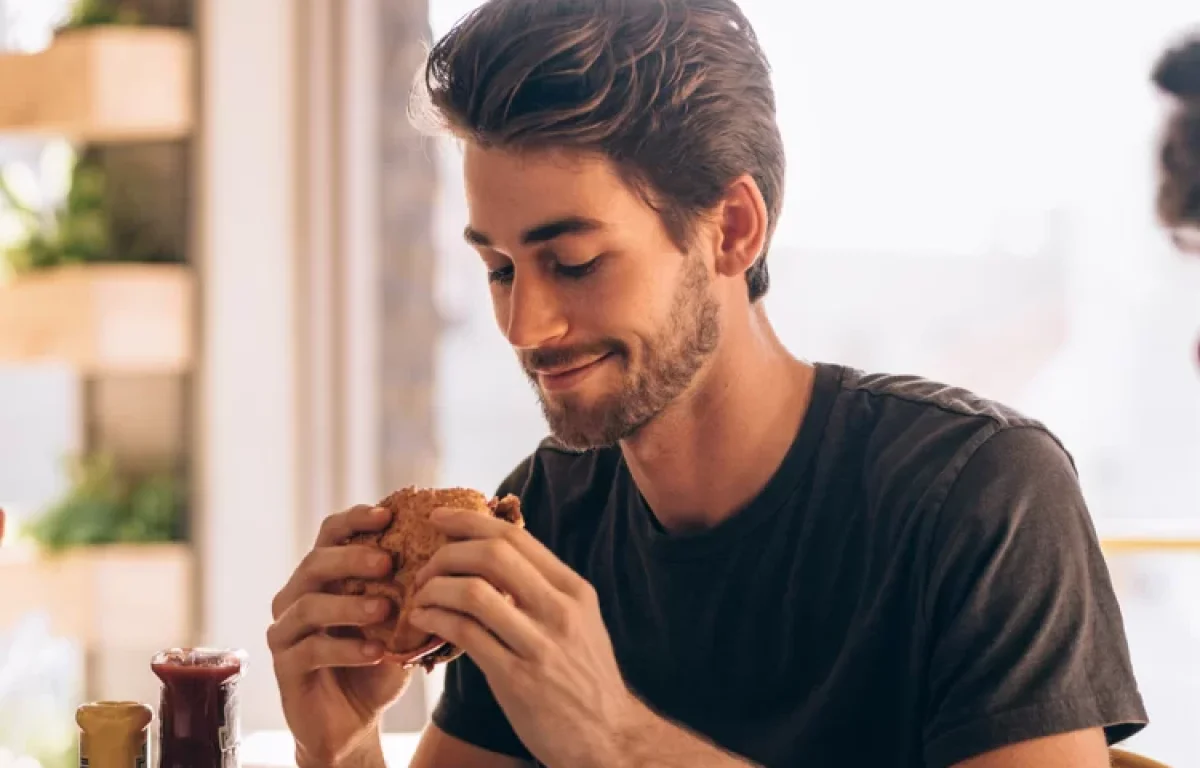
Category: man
[1177,75]
[732,557]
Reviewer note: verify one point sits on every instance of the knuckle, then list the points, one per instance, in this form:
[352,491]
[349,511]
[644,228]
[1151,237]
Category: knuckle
[584,592]
[309,562]
[563,618]
[306,610]
[539,651]
[476,593]
[330,523]
[273,638]
[497,550]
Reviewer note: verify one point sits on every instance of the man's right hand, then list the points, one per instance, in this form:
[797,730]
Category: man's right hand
[334,689]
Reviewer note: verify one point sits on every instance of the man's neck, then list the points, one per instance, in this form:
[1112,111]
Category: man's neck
[710,454]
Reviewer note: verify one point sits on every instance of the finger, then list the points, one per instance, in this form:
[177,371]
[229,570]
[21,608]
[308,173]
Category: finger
[322,651]
[316,612]
[358,519]
[461,524]
[324,565]
[484,648]
[499,563]
[474,598]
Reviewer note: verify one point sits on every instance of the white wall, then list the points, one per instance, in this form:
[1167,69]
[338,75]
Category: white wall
[247,446]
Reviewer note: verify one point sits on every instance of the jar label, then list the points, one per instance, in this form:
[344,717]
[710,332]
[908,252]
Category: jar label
[229,735]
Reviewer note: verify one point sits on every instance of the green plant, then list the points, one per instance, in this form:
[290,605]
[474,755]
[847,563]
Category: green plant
[77,231]
[93,13]
[62,213]
[102,507]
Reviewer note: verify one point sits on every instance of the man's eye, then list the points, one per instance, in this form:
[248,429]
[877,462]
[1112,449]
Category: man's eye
[577,271]
[502,276]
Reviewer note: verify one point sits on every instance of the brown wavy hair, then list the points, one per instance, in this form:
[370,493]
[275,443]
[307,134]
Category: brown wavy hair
[1177,74]
[677,93]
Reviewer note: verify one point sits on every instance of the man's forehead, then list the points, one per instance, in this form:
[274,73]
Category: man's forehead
[532,197]
[563,173]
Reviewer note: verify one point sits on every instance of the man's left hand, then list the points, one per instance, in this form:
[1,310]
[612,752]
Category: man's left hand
[534,627]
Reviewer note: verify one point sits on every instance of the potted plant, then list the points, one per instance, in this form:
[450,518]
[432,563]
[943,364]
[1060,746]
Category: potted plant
[71,293]
[103,507]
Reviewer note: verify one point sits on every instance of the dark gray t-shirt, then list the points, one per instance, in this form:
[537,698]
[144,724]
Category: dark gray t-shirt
[919,583]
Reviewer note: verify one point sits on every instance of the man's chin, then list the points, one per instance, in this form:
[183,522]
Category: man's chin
[582,431]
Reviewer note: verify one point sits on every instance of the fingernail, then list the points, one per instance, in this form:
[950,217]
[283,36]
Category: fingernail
[372,649]
[378,560]
[441,513]
[372,607]
[379,512]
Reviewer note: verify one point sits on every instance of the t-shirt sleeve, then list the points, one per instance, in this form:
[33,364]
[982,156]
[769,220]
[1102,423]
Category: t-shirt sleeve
[1026,637]
[467,710]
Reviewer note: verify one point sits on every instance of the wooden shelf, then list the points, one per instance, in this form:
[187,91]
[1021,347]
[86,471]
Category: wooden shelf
[118,596]
[120,603]
[101,318]
[110,84]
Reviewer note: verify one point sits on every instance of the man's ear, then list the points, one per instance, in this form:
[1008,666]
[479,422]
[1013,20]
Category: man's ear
[742,224]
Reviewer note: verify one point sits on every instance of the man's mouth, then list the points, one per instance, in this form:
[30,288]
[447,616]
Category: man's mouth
[566,376]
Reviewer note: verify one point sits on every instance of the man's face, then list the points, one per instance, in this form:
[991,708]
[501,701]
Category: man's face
[609,319]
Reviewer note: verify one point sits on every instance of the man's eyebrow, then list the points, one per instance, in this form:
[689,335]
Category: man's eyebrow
[542,233]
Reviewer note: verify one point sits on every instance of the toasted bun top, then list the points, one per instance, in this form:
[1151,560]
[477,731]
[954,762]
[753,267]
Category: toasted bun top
[410,533]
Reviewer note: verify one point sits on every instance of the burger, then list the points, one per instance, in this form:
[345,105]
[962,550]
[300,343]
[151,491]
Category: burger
[411,540]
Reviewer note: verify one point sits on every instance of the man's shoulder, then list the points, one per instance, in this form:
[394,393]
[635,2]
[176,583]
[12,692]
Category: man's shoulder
[915,435]
[900,397]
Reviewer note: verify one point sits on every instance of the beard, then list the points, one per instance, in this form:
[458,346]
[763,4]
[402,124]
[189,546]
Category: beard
[670,362]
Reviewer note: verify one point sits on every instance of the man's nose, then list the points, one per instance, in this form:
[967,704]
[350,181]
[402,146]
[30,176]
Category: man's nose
[534,312]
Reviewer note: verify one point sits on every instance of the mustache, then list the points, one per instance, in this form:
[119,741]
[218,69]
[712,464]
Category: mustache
[565,357]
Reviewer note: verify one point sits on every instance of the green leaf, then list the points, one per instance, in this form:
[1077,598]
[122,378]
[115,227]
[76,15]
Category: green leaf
[102,507]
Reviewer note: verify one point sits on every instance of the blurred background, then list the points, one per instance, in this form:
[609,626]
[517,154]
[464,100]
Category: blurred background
[234,299]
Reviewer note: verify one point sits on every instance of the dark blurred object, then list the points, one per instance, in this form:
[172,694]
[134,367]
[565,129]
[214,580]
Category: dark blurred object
[1177,74]
[162,13]
[102,507]
[1178,71]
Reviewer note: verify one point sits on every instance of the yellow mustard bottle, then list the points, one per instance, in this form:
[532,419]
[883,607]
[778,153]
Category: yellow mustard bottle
[113,734]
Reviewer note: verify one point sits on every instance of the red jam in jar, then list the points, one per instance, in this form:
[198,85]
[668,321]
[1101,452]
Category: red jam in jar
[198,713]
